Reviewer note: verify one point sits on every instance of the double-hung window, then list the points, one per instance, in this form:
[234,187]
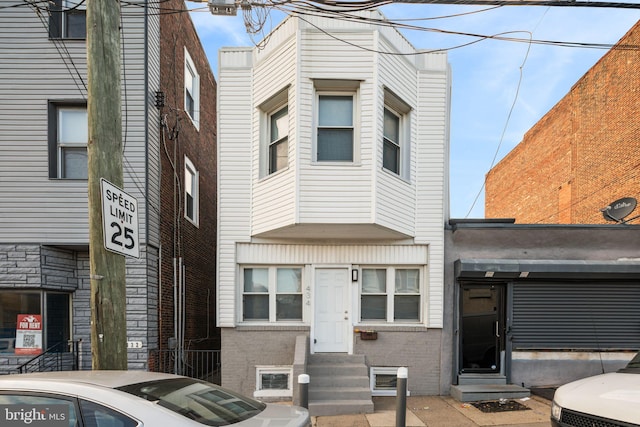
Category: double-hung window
[390,294]
[395,135]
[68,136]
[191,199]
[391,142]
[335,130]
[272,294]
[68,19]
[191,90]
[279,140]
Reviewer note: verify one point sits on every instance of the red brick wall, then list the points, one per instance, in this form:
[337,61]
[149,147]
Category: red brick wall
[583,154]
[181,238]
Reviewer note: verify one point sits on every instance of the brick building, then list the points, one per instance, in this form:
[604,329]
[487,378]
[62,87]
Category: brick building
[583,154]
[187,187]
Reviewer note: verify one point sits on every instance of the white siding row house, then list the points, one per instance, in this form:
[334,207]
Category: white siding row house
[333,154]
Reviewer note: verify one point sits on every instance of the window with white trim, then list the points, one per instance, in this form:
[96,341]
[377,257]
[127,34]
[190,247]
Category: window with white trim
[191,192]
[335,129]
[384,381]
[395,138]
[191,90]
[272,294]
[279,140]
[274,381]
[391,142]
[390,295]
[68,136]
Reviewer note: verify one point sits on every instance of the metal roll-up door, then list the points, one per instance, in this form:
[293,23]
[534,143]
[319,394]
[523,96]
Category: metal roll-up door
[576,315]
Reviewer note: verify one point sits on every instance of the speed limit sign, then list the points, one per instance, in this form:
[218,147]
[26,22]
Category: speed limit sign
[119,220]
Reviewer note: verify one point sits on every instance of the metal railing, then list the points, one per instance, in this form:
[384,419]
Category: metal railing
[59,357]
[202,364]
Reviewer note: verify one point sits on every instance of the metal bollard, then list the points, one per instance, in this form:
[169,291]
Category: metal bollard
[401,398]
[303,382]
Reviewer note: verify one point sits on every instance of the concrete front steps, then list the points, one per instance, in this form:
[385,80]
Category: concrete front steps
[482,387]
[338,385]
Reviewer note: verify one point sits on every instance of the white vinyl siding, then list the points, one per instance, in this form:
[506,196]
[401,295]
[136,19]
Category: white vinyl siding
[274,196]
[234,166]
[358,196]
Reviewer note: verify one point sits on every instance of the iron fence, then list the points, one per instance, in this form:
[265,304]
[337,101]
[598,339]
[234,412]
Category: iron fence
[202,364]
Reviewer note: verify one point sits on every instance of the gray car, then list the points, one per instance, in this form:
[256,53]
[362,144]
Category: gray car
[133,399]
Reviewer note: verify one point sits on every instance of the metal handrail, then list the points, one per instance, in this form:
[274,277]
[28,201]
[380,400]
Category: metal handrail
[52,358]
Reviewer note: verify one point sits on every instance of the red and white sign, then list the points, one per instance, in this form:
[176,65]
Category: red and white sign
[29,334]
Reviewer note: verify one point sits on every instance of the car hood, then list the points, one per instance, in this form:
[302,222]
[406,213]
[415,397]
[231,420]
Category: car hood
[279,415]
[615,396]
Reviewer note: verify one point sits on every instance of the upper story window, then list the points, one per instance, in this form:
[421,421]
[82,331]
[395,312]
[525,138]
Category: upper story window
[390,294]
[272,294]
[191,184]
[191,90]
[396,135]
[391,142]
[68,19]
[335,133]
[279,140]
[68,136]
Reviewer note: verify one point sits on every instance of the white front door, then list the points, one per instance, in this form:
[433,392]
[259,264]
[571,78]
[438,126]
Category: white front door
[331,321]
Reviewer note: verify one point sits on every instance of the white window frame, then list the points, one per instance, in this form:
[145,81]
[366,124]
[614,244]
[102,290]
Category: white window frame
[262,370]
[400,109]
[193,191]
[266,110]
[390,293]
[272,292]
[353,127]
[192,89]
[61,146]
[383,370]
[396,144]
[275,142]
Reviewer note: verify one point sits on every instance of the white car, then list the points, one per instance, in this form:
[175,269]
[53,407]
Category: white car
[133,399]
[607,400]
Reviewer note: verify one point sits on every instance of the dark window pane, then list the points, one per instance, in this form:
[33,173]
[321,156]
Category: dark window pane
[390,156]
[406,307]
[335,145]
[76,24]
[386,382]
[278,155]
[374,307]
[256,307]
[95,415]
[288,307]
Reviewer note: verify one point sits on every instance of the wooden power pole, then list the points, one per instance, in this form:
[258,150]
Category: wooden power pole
[108,278]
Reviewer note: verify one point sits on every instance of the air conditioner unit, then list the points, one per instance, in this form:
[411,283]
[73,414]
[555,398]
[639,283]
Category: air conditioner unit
[223,7]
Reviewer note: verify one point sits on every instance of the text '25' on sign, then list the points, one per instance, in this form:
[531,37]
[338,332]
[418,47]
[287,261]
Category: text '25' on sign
[119,220]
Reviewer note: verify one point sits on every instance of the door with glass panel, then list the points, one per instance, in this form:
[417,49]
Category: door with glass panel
[482,327]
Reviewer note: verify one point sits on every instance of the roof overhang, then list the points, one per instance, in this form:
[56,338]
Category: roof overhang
[509,269]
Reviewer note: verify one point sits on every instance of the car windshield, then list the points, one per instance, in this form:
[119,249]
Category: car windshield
[203,402]
[633,367]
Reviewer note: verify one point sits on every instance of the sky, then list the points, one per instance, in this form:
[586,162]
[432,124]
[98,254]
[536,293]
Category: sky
[500,89]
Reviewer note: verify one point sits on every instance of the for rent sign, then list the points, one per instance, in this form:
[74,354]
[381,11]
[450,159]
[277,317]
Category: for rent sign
[29,334]
[119,220]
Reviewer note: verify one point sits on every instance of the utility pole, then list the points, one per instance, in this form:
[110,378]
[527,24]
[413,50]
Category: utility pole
[104,149]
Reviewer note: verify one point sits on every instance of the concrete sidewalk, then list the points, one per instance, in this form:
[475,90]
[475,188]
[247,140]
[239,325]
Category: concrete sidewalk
[442,411]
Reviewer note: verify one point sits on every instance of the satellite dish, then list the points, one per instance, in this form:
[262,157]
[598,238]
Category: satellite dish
[618,210]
